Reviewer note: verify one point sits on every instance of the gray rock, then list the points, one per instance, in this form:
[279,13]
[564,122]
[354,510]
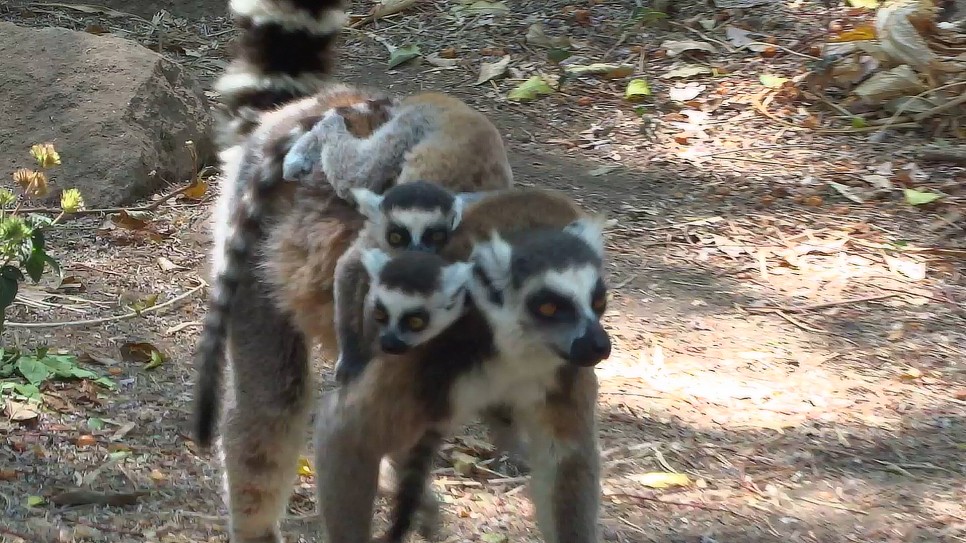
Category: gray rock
[118,113]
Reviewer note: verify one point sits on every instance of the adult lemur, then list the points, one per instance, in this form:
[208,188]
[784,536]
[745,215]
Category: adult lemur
[275,93]
[276,247]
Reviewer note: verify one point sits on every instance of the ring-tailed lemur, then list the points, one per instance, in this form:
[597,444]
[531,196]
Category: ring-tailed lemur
[526,339]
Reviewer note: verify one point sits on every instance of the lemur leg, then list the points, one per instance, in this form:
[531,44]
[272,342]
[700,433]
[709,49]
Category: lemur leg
[264,425]
[372,163]
[565,460]
[347,471]
[351,288]
[413,491]
[505,435]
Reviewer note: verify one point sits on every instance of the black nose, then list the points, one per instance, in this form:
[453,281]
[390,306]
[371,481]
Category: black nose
[391,344]
[591,348]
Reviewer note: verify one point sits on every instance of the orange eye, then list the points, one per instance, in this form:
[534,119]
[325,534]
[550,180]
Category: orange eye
[395,238]
[548,309]
[416,323]
[380,316]
[600,304]
[439,236]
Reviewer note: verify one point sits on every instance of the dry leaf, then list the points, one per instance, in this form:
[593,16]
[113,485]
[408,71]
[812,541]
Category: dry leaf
[660,479]
[129,220]
[85,440]
[680,93]
[686,71]
[675,48]
[19,411]
[493,70]
[167,265]
[305,467]
[197,190]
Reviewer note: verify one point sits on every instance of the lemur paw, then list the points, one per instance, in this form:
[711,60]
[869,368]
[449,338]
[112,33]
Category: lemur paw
[331,125]
[297,166]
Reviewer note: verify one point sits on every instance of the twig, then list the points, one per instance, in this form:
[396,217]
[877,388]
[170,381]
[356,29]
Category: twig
[833,505]
[149,207]
[956,154]
[776,46]
[681,504]
[10,532]
[102,320]
[940,108]
[815,307]
[902,108]
[384,10]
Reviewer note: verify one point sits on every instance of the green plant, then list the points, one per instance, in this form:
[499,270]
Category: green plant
[22,374]
[22,245]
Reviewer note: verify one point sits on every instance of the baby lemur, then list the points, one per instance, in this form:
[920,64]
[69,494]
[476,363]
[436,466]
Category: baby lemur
[415,216]
[526,338]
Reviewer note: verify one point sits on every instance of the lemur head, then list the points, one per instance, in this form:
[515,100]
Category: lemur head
[413,296]
[549,285]
[416,216]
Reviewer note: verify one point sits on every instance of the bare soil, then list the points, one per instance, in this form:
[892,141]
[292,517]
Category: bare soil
[798,355]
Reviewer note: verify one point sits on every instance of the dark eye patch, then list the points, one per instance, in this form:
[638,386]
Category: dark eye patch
[414,321]
[397,236]
[379,313]
[435,236]
[563,307]
[598,299]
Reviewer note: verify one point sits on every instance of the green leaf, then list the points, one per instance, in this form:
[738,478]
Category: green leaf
[858,122]
[10,278]
[30,392]
[118,455]
[156,360]
[33,370]
[772,81]
[557,55]
[106,382]
[494,538]
[867,4]
[35,501]
[637,89]
[95,423]
[530,90]
[918,198]
[403,54]
[34,265]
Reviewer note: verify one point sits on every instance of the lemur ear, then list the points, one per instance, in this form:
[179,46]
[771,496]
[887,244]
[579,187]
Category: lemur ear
[461,201]
[455,277]
[368,203]
[374,260]
[591,231]
[493,259]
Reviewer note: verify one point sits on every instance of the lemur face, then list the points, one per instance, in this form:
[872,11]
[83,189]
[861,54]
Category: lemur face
[549,286]
[413,296]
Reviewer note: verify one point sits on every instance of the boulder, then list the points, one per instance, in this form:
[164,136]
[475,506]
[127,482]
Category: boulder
[118,113]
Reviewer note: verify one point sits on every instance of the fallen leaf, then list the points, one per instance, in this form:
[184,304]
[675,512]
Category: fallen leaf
[637,90]
[537,37]
[403,54]
[141,304]
[609,71]
[157,476]
[530,90]
[85,440]
[847,191]
[738,36]
[918,198]
[659,479]
[675,48]
[687,70]
[914,271]
[687,92]
[859,33]
[8,474]
[35,501]
[140,352]
[866,4]
[901,81]
[167,265]
[197,190]
[493,70]
[494,538]
[558,55]
[94,358]
[305,468]
[440,62]
[95,423]
[464,464]
[482,7]
[19,411]
[603,170]
[129,220]
[910,374]
[772,81]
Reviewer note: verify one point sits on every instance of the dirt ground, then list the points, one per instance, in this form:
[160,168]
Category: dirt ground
[797,355]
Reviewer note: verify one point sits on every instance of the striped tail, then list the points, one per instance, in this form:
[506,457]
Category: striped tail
[285,51]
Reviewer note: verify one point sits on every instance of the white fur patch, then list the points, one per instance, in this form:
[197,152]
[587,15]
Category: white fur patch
[416,220]
[233,83]
[270,11]
[576,283]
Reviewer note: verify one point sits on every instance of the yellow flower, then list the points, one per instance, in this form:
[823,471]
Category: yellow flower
[32,182]
[71,201]
[45,154]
